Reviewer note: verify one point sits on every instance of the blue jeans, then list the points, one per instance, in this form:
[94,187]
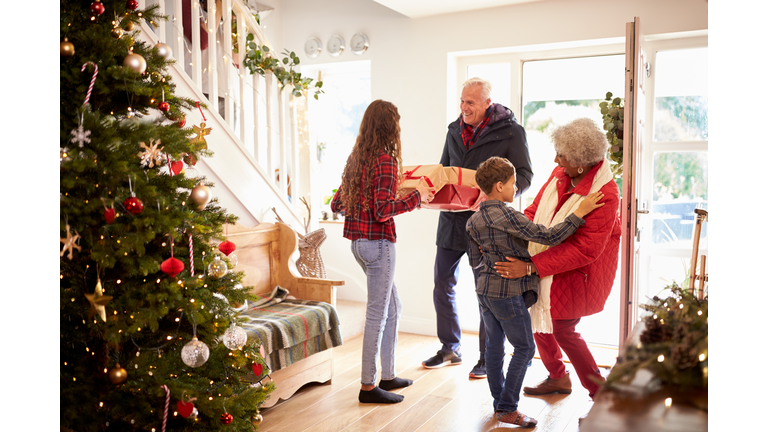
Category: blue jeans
[444,296]
[506,318]
[377,259]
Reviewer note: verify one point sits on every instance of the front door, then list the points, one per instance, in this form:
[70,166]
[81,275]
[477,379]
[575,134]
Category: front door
[632,208]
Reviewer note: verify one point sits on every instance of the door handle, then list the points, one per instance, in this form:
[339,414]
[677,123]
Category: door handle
[643,211]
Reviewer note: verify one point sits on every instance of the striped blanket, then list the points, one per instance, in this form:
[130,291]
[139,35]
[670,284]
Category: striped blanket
[290,330]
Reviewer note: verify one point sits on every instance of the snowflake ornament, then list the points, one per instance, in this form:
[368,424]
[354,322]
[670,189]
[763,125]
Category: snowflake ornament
[151,155]
[80,136]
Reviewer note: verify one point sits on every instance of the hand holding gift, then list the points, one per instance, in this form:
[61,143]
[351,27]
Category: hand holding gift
[426,192]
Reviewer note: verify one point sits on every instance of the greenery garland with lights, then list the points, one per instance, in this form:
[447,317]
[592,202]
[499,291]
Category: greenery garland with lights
[612,110]
[673,346]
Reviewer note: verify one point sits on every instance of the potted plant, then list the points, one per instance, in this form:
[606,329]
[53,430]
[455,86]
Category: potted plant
[320,151]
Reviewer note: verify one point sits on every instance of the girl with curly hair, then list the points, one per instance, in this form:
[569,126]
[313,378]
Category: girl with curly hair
[367,197]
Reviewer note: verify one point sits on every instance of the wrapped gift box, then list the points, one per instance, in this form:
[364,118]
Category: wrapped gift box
[459,193]
[434,175]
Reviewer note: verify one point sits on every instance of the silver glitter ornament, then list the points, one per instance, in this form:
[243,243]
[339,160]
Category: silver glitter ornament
[195,353]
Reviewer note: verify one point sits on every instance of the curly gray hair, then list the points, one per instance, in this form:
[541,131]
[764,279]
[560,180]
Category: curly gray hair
[581,142]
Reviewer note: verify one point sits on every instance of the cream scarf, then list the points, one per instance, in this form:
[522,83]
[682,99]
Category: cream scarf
[541,318]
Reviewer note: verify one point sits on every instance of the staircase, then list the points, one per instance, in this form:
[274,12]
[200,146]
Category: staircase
[255,127]
[257,131]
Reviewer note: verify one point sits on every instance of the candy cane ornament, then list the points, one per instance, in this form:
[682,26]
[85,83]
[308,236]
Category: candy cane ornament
[167,402]
[93,80]
[191,258]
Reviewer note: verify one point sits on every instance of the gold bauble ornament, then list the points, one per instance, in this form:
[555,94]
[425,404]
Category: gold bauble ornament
[164,50]
[128,25]
[117,32]
[200,195]
[66,48]
[135,62]
[117,374]
[257,419]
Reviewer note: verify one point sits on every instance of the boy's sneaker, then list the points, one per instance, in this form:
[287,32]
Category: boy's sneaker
[479,370]
[442,359]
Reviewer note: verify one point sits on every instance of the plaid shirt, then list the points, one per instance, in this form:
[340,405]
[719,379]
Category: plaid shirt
[376,221]
[505,232]
[469,134]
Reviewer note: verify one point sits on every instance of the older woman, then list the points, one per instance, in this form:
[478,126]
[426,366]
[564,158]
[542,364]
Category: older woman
[577,275]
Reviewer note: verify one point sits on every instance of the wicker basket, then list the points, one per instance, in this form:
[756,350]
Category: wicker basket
[310,263]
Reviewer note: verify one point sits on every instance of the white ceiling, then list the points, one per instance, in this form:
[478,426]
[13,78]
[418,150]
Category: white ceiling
[422,8]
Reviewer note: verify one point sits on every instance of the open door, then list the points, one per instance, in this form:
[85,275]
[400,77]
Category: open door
[634,125]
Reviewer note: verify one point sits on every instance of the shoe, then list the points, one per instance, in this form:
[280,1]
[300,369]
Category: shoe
[479,370]
[549,385]
[517,418]
[442,359]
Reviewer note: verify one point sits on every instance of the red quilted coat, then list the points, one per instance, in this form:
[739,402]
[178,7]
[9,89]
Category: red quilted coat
[584,265]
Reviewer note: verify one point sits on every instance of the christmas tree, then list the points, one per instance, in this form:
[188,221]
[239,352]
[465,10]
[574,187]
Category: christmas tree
[149,339]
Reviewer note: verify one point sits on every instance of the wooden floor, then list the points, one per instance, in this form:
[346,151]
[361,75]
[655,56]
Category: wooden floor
[444,399]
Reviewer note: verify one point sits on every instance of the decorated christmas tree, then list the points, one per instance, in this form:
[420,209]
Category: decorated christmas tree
[149,339]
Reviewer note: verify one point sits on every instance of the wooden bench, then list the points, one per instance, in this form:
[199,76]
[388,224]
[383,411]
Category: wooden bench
[264,253]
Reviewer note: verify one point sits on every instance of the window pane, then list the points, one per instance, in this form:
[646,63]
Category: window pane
[679,186]
[558,91]
[681,106]
[554,93]
[334,119]
[499,76]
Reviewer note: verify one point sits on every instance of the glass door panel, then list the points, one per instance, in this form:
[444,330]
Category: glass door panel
[554,93]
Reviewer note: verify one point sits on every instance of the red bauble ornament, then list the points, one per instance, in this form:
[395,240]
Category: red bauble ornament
[258,369]
[109,215]
[97,8]
[226,418]
[185,408]
[176,167]
[164,106]
[133,205]
[133,5]
[227,247]
[172,266]
[181,122]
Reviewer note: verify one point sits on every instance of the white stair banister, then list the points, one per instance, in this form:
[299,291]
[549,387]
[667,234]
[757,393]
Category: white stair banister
[243,168]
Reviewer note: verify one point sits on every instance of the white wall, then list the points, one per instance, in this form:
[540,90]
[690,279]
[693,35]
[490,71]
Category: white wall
[412,66]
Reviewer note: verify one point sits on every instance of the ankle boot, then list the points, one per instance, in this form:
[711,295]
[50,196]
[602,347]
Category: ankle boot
[549,385]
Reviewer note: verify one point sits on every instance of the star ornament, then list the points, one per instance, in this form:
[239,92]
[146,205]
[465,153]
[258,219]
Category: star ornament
[70,243]
[80,136]
[98,300]
[151,155]
[199,139]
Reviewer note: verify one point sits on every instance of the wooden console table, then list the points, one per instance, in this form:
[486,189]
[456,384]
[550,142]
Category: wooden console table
[616,410]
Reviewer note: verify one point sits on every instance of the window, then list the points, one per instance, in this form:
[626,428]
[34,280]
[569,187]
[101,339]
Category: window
[498,74]
[334,122]
[676,176]
[558,91]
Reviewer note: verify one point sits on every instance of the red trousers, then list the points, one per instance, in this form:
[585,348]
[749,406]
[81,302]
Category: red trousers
[564,336]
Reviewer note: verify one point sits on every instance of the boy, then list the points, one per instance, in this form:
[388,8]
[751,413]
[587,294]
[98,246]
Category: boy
[497,231]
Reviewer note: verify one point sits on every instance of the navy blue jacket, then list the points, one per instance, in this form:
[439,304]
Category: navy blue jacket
[502,136]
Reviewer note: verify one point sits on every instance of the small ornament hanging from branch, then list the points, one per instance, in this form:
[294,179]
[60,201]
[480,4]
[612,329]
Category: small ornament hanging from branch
[70,243]
[152,155]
